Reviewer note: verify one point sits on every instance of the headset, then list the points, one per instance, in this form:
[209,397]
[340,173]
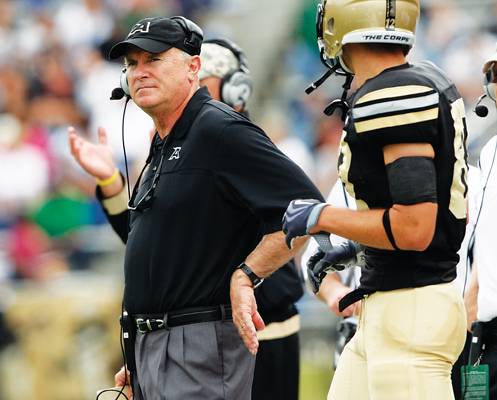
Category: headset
[193,41]
[194,35]
[236,86]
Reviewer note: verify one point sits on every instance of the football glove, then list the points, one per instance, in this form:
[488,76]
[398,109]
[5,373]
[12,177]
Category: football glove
[340,257]
[300,217]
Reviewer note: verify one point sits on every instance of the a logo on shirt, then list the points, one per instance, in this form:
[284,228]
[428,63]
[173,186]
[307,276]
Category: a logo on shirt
[175,155]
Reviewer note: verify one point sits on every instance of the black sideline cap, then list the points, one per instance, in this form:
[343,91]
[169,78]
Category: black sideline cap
[159,34]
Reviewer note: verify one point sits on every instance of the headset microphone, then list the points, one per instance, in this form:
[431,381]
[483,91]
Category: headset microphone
[117,94]
[480,109]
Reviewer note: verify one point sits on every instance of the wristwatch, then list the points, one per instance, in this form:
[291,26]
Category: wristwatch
[256,281]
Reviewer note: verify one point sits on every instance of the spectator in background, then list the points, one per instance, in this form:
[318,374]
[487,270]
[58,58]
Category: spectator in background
[14,92]
[224,71]
[83,23]
[22,162]
[25,179]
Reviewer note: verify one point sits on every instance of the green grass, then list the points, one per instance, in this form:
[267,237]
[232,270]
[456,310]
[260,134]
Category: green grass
[314,381]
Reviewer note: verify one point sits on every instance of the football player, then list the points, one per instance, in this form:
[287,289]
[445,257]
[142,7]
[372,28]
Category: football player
[403,159]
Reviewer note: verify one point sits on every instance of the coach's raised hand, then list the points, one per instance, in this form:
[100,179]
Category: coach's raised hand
[97,160]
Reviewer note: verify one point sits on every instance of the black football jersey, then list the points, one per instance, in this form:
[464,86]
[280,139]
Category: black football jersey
[411,103]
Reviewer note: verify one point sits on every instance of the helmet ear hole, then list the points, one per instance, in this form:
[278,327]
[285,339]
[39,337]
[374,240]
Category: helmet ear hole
[331,24]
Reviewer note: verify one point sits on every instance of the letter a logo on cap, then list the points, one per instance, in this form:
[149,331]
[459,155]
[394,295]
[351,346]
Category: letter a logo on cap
[143,28]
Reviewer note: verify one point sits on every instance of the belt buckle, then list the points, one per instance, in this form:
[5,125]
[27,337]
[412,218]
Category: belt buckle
[148,323]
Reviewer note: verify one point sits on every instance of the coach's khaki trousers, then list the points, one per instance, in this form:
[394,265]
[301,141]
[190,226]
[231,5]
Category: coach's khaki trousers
[404,348]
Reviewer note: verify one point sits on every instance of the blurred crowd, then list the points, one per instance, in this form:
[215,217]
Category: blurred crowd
[54,74]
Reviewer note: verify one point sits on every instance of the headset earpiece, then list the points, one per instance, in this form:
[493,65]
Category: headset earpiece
[194,34]
[236,87]
[123,80]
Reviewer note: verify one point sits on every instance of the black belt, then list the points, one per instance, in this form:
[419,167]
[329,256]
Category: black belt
[490,332]
[491,325]
[151,322]
[352,297]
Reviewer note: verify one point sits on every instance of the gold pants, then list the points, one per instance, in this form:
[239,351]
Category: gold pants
[404,348]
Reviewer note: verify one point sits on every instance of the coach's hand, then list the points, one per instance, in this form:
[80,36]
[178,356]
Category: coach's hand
[300,218]
[122,379]
[244,310]
[94,158]
[97,160]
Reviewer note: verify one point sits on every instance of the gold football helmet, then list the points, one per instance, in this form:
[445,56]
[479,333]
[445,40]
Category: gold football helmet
[340,22]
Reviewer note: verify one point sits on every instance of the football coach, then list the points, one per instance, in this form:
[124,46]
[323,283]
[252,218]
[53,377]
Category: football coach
[208,206]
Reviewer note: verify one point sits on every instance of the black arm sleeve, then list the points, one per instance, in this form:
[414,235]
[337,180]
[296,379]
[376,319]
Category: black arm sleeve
[412,180]
[119,222]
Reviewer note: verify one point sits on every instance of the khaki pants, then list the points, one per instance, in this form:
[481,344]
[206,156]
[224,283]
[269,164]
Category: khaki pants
[404,348]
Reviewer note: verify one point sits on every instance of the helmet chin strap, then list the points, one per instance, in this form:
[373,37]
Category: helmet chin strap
[341,103]
[337,68]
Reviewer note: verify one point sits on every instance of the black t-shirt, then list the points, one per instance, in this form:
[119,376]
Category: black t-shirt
[223,185]
[408,104]
[276,297]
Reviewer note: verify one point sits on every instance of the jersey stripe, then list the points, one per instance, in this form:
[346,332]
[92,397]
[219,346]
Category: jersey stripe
[459,187]
[394,105]
[397,120]
[343,172]
[395,91]
[394,112]
[409,96]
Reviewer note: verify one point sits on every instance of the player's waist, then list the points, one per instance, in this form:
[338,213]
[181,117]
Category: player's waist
[400,270]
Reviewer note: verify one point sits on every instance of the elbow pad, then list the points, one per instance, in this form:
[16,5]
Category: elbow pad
[412,180]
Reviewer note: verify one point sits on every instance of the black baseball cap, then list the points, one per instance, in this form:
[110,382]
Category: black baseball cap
[158,34]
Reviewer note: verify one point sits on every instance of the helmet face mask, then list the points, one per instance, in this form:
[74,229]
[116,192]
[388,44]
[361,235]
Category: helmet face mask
[339,22]
[319,25]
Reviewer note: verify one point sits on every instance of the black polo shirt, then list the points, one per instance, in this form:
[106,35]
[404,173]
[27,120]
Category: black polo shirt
[223,185]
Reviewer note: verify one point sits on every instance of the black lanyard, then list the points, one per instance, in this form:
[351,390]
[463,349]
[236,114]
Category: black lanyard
[146,199]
